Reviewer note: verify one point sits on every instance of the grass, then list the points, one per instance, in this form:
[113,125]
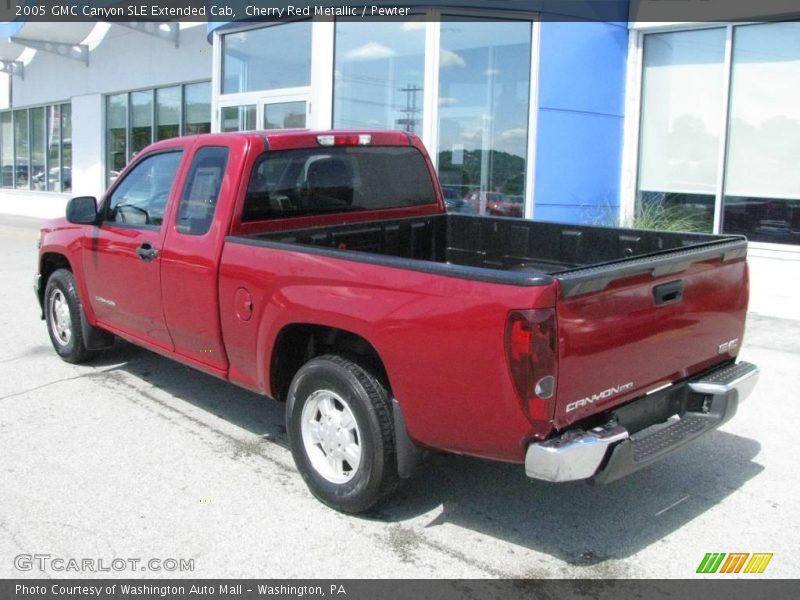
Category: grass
[667,218]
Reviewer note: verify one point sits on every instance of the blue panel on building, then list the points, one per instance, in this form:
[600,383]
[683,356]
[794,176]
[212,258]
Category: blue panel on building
[579,133]
[578,164]
[582,66]
[576,214]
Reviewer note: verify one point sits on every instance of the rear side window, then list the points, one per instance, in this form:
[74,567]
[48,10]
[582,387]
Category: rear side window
[201,190]
[298,183]
[141,198]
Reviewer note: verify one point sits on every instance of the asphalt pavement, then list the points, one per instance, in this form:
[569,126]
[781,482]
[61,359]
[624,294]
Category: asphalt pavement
[137,457]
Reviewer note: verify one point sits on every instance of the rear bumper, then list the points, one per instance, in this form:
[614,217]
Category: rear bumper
[607,453]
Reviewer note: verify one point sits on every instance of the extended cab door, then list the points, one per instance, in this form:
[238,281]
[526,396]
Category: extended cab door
[193,248]
[122,259]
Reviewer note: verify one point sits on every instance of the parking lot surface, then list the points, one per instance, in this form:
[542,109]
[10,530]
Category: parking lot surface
[135,456]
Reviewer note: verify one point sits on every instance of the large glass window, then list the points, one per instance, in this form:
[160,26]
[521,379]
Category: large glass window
[687,112]
[38,158]
[66,147]
[116,134]
[285,115]
[168,112]
[238,118]
[267,58]
[141,120]
[378,75]
[6,150]
[197,111]
[681,129]
[54,148]
[36,148]
[484,99]
[178,110]
[21,149]
[762,177]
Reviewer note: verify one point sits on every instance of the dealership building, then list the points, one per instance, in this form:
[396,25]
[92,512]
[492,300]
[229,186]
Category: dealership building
[583,121]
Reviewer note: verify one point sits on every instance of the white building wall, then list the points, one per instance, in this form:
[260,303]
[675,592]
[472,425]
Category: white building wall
[5,90]
[774,282]
[123,60]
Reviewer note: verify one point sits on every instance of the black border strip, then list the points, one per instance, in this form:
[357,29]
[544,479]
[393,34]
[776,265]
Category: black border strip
[227,11]
[448,270]
[596,278]
[573,282]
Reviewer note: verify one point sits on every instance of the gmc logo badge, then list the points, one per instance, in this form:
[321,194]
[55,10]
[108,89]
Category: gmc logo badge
[728,347]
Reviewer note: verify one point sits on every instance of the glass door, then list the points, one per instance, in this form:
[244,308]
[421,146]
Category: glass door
[237,117]
[282,112]
[285,113]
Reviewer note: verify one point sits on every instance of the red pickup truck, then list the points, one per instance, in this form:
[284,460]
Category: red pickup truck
[321,269]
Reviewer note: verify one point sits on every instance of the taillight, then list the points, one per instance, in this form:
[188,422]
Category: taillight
[531,346]
[360,139]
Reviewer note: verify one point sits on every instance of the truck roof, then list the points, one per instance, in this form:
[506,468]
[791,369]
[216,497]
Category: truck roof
[287,139]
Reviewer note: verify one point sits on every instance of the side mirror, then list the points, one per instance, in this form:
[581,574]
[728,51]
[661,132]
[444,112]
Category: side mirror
[82,210]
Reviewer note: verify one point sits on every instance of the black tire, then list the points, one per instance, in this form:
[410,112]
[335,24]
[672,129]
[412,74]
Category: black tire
[349,386]
[64,325]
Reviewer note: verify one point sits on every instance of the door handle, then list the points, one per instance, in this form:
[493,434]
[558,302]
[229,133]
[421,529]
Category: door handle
[146,252]
[667,293]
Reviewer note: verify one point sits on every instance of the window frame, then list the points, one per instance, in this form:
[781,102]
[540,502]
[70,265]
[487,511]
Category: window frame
[184,124]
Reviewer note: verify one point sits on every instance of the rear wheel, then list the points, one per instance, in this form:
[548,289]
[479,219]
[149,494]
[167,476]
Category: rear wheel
[341,432]
[63,314]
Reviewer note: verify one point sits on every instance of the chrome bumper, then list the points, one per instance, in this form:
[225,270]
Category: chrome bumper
[575,455]
[609,453]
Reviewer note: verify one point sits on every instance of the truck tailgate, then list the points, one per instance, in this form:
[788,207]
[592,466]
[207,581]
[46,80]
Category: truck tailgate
[629,328]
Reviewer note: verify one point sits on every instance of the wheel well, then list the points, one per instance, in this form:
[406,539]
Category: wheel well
[49,264]
[297,344]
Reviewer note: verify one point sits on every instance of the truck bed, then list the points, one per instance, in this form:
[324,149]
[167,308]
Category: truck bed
[512,251]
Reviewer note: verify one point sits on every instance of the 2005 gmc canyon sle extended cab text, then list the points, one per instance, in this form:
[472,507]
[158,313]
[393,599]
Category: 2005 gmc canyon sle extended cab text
[321,269]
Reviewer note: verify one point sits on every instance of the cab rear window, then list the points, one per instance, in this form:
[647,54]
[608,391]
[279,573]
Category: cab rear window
[297,183]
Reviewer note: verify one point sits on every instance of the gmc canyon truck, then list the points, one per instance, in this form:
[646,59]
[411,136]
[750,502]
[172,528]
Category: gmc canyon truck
[321,269]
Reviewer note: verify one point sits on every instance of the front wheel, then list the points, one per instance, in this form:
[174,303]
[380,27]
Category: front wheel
[62,310]
[339,419]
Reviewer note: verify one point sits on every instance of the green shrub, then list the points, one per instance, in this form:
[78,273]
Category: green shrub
[650,215]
